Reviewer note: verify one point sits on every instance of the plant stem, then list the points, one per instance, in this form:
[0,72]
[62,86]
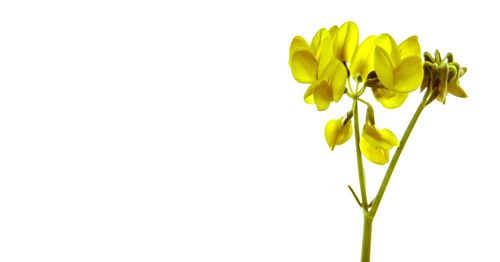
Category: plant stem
[361,170]
[395,158]
[367,238]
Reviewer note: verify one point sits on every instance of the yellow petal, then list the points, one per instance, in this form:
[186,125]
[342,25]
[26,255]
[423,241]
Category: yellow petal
[387,43]
[336,75]
[383,67]
[408,75]
[362,61]
[380,138]
[388,136]
[456,90]
[332,130]
[322,95]
[298,43]
[325,56]
[333,29]
[410,47]
[388,98]
[309,95]
[372,136]
[336,133]
[346,41]
[345,134]
[304,66]
[319,39]
[372,153]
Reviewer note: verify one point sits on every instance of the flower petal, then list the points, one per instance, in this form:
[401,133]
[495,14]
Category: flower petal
[383,67]
[386,42]
[336,76]
[336,133]
[309,95]
[298,43]
[322,95]
[304,66]
[408,75]
[456,90]
[319,39]
[346,41]
[325,55]
[333,29]
[372,153]
[345,134]
[380,138]
[332,131]
[388,136]
[362,61]
[410,47]
[388,98]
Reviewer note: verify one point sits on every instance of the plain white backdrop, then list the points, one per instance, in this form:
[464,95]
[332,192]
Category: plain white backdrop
[174,131]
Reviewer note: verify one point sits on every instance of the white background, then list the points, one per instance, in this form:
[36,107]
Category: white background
[174,131]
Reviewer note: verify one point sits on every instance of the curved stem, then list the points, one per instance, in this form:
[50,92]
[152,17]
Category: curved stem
[361,170]
[395,158]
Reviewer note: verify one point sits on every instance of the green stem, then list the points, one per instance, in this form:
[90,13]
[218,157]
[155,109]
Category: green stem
[361,170]
[367,238]
[395,158]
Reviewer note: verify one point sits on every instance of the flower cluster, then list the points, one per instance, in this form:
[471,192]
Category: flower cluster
[441,76]
[335,57]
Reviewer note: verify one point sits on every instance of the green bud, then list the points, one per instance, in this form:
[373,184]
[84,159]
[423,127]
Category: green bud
[428,57]
[462,71]
[437,56]
[443,83]
[449,57]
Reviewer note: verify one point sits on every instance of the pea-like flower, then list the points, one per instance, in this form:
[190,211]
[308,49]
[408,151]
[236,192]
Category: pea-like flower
[375,143]
[338,131]
[322,63]
[398,69]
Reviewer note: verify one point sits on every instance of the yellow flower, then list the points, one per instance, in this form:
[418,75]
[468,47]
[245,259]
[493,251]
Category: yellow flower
[337,132]
[398,68]
[313,64]
[322,63]
[375,143]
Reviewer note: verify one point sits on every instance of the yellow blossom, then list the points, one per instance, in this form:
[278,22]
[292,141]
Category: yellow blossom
[398,68]
[313,64]
[375,143]
[337,132]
